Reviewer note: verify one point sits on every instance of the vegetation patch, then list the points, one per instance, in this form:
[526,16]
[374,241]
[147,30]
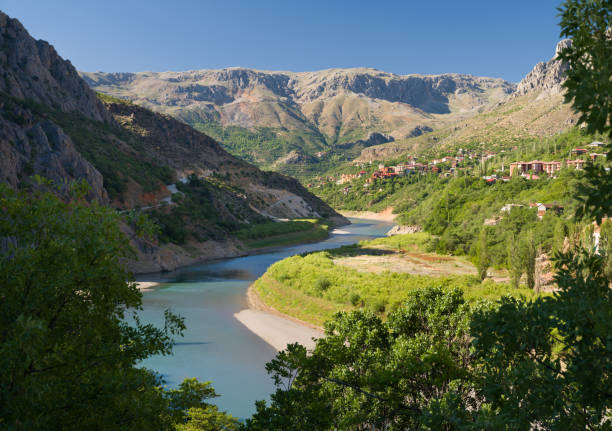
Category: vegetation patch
[314,286]
[283,232]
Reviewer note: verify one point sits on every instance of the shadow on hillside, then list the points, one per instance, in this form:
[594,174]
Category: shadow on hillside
[359,251]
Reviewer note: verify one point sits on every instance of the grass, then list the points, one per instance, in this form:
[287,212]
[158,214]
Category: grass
[312,287]
[274,234]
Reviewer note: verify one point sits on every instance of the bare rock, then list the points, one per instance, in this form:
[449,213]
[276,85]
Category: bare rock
[404,229]
[546,78]
[32,69]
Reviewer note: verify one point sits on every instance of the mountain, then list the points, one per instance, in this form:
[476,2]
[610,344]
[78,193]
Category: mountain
[536,110]
[32,71]
[546,78]
[52,124]
[314,114]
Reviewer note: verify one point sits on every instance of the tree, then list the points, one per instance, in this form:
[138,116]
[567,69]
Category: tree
[483,257]
[589,88]
[528,255]
[190,411]
[393,375]
[605,247]
[515,260]
[589,56]
[548,361]
[70,336]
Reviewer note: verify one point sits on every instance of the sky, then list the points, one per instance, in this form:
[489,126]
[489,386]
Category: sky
[483,38]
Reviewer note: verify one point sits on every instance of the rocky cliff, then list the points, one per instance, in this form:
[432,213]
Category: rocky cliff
[546,78]
[32,74]
[32,69]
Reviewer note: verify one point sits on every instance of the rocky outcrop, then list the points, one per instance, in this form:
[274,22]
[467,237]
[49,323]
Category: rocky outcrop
[372,140]
[32,69]
[33,74]
[404,229]
[295,157]
[152,257]
[546,78]
[30,145]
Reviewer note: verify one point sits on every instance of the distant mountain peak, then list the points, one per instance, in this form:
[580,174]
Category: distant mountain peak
[546,78]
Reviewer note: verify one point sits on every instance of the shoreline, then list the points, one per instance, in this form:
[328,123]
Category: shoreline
[385,215]
[145,286]
[230,250]
[275,328]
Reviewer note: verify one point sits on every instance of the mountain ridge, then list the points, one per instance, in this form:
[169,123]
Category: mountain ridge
[535,110]
[311,111]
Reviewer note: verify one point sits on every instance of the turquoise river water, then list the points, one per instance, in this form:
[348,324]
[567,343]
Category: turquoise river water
[216,346]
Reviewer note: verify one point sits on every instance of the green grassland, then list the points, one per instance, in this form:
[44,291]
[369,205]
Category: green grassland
[273,234]
[313,287]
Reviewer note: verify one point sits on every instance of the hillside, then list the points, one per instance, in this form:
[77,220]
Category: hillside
[316,115]
[535,111]
[53,124]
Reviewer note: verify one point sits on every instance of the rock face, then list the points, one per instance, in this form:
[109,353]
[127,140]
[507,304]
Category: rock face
[403,229]
[535,110]
[330,103]
[32,69]
[546,78]
[419,130]
[43,148]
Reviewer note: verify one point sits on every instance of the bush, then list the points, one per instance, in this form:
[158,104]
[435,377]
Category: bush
[322,284]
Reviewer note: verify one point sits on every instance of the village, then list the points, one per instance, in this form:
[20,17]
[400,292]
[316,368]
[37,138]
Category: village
[450,165]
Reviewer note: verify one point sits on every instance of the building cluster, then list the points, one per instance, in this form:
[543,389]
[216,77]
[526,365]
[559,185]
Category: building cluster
[532,169]
[449,165]
[542,209]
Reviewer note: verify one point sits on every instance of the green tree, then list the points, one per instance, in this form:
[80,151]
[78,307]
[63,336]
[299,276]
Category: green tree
[483,257]
[605,246]
[588,87]
[528,254]
[548,361]
[515,261]
[70,336]
[393,375]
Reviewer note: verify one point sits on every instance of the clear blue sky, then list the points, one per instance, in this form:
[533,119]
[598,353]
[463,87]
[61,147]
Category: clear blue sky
[487,38]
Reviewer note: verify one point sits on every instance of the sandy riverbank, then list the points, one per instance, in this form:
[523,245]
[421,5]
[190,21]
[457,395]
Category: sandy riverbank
[146,285]
[386,215]
[275,328]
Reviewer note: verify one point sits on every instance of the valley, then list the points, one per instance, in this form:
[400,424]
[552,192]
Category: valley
[338,249]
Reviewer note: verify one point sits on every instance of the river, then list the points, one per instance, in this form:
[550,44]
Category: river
[216,346]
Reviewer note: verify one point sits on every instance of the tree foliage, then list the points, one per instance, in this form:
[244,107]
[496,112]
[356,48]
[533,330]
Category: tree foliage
[393,374]
[588,86]
[548,361]
[70,336]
